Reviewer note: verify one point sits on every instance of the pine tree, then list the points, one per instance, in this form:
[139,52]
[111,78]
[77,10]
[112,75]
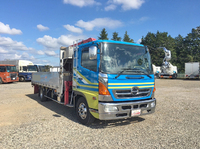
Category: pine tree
[115,37]
[127,38]
[103,35]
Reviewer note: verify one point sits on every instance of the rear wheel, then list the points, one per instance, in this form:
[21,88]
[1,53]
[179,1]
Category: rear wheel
[82,112]
[41,94]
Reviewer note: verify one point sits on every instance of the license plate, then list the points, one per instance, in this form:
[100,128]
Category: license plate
[136,112]
[13,78]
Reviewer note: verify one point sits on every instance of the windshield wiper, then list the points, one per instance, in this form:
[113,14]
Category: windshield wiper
[134,69]
[122,72]
[142,71]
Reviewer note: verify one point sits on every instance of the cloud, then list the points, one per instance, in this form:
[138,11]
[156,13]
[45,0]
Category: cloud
[73,29]
[9,44]
[139,41]
[68,40]
[50,53]
[40,52]
[48,42]
[110,7]
[99,22]
[40,27]
[55,43]
[142,19]
[5,29]
[16,56]
[3,51]
[81,3]
[126,4]
[13,55]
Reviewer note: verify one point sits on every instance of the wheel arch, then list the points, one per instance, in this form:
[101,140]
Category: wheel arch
[78,95]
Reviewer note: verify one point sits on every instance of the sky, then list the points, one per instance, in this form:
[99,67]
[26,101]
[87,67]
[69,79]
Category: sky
[36,29]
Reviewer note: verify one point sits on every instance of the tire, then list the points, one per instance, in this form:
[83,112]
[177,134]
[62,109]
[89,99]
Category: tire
[175,76]
[82,112]
[41,95]
[1,82]
[21,79]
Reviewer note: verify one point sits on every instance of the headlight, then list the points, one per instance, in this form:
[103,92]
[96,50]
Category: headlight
[153,104]
[110,108]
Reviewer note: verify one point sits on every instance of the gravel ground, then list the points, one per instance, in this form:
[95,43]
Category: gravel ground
[25,122]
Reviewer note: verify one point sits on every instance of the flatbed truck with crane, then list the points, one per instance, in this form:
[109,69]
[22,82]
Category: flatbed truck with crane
[101,79]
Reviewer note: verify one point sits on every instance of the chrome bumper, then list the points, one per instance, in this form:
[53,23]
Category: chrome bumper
[125,108]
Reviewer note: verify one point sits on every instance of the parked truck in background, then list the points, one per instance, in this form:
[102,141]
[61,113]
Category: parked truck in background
[25,68]
[101,79]
[156,71]
[167,70]
[8,73]
[55,69]
[192,70]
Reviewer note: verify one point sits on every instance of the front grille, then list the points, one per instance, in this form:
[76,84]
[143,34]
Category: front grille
[128,94]
[139,106]
[13,76]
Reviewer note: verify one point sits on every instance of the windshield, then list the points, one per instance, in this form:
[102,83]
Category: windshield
[118,57]
[11,68]
[32,68]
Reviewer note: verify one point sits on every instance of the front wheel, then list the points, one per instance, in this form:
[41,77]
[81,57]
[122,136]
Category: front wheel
[21,79]
[1,81]
[175,75]
[82,112]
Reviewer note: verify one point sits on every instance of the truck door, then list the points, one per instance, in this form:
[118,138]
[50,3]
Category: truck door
[87,71]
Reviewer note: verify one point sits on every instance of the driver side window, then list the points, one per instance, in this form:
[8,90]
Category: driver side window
[2,69]
[86,62]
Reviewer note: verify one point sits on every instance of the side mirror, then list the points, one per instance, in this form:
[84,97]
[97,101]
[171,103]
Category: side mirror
[92,52]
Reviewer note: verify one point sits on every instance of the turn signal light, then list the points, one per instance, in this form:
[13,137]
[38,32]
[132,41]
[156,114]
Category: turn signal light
[154,89]
[103,90]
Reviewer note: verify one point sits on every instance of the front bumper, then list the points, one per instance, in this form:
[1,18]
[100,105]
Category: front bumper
[125,108]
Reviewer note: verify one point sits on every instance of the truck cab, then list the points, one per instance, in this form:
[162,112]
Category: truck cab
[115,78]
[25,72]
[8,73]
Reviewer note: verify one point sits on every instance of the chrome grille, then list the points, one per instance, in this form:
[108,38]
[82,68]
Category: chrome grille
[128,94]
[13,76]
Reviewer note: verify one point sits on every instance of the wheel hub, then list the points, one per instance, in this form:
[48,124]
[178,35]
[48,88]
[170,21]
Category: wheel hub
[82,111]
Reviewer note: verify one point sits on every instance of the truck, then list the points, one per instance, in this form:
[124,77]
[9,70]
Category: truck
[101,79]
[55,69]
[25,68]
[156,70]
[192,70]
[167,69]
[8,73]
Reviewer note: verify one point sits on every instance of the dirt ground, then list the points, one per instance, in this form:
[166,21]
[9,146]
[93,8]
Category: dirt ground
[25,122]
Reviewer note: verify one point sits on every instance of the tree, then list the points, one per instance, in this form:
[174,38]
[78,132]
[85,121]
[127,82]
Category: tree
[115,37]
[180,52]
[127,38]
[192,44]
[154,42]
[103,35]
